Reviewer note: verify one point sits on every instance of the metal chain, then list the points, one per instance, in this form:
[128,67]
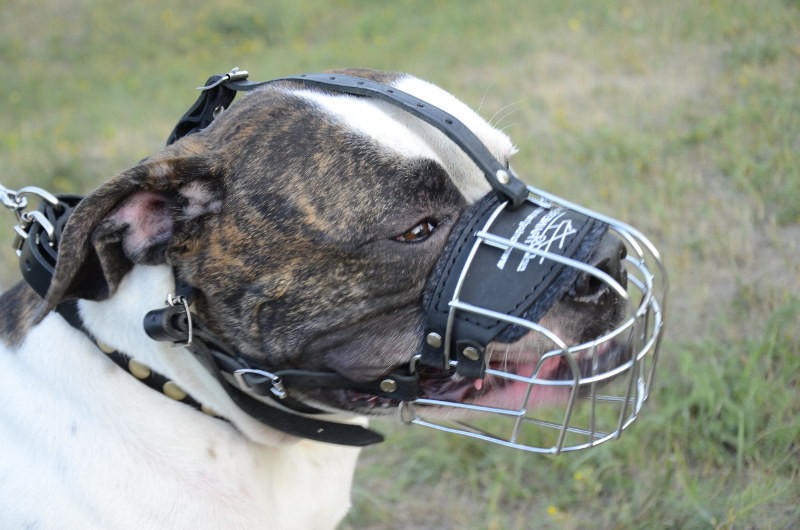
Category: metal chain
[17,201]
[12,200]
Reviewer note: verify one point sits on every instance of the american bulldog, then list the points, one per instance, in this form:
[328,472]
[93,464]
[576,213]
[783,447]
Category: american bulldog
[308,223]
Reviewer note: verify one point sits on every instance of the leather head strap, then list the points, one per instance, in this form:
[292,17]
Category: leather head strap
[220,91]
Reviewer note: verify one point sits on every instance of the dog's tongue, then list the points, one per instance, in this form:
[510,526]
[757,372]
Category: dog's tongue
[453,389]
[490,388]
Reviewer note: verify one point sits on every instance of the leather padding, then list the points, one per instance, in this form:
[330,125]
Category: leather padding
[506,281]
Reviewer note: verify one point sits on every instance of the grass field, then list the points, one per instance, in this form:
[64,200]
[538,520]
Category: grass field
[680,117]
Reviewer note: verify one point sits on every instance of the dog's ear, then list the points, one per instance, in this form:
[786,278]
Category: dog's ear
[133,218]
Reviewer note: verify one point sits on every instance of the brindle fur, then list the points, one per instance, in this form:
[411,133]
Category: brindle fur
[283,214]
[282,217]
[298,258]
[18,306]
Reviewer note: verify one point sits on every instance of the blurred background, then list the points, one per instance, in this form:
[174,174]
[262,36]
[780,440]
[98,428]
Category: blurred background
[681,118]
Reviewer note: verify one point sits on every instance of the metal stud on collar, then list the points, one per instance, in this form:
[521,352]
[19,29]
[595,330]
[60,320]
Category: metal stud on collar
[152,379]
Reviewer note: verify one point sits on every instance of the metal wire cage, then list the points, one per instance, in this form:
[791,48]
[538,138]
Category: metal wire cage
[587,407]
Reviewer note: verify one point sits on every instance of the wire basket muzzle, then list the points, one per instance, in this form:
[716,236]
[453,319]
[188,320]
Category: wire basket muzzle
[522,382]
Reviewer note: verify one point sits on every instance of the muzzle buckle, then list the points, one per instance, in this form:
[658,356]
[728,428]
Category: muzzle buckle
[234,75]
[254,381]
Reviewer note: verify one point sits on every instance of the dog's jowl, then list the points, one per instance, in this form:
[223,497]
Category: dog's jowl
[320,250]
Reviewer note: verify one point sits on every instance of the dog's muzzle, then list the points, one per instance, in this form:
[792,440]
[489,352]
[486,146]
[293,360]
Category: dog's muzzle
[499,369]
[493,363]
[500,263]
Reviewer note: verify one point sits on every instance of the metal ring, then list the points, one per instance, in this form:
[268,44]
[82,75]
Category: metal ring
[39,192]
[47,226]
[11,199]
[277,383]
[174,300]
[233,75]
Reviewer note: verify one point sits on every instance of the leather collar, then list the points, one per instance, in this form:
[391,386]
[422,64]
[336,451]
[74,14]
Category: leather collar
[38,250]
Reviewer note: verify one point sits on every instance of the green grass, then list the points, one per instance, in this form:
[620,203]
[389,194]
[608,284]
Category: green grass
[680,117]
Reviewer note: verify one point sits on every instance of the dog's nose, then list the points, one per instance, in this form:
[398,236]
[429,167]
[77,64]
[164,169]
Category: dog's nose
[609,257]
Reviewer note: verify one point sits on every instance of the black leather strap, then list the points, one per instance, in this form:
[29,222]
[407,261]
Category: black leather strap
[399,385]
[171,324]
[37,259]
[508,282]
[37,262]
[220,94]
[288,422]
[513,191]
[201,114]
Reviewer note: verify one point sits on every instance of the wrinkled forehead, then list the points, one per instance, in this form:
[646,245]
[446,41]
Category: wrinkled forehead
[398,132]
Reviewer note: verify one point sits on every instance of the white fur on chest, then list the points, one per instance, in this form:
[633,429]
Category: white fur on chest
[85,445]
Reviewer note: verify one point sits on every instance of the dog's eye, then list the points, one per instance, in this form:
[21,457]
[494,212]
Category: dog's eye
[418,233]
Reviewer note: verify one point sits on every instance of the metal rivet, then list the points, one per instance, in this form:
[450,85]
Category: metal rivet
[105,348]
[172,390]
[471,353]
[139,370]
[434,340]
[502,176]
[388,385]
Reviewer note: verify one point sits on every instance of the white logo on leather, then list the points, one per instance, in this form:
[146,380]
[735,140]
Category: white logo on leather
[550,230]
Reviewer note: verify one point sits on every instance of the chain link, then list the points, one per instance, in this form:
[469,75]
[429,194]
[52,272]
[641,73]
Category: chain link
[17,201]
[12,200]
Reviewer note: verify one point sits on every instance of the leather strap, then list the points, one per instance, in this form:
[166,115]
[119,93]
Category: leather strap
[289,422]
[494,278]
[38,255]
[220,93]
[201,114]
[171,324]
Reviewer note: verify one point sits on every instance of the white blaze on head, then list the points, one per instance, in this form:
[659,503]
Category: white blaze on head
[400,132]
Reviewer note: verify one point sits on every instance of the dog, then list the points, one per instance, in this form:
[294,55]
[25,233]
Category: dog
[309,221]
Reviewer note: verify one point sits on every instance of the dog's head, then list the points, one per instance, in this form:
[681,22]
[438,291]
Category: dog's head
[311,224]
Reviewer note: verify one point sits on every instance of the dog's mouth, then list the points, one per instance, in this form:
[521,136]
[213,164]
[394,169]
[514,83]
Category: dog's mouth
[514,375]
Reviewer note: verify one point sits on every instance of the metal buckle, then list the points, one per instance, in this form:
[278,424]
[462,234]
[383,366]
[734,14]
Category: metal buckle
[277,383]
[174,300]
[17,201]
[11,199]
[233,75]
[23,226]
